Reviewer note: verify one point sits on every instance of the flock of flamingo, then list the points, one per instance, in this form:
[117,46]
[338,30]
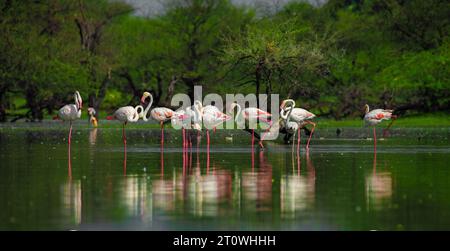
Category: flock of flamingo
[292,119]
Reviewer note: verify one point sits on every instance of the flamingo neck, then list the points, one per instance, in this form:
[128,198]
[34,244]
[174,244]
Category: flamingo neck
[198,107]
[77,103]
[78,100]
[239,110]
[137,113]
[144,116]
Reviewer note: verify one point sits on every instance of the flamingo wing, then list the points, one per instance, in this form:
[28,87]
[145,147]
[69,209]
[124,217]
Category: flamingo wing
[69,112]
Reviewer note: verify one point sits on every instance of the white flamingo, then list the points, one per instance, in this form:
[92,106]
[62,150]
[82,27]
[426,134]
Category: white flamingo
[71,112]
[190,118]
[300,116]
[376,116]
[252,114]
[211,117]
[127,114]
[290,126]
[161,114]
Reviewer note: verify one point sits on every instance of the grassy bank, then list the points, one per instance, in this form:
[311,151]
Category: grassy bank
[418,120]
[410,121]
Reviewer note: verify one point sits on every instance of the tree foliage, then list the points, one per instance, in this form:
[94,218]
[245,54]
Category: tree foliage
[332,58]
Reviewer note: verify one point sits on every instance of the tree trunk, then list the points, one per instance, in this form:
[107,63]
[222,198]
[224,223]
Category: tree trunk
[95,101]
[33,104]
[3,104]
[258,85]
[170,91]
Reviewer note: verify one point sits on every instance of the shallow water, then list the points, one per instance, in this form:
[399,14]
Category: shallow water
[339,185]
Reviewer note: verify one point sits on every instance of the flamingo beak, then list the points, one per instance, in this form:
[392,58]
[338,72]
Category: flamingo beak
[143,98]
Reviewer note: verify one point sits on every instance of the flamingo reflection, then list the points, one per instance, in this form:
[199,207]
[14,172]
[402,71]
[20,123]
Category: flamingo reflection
[71,196]
[125,159]
[135,196]
[378,188]
[257,186]
[298,192]
[93,136]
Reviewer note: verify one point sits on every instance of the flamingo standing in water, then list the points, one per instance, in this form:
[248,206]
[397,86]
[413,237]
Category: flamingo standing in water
[71,112]
[376,116]
[127,114]
[161,114]
[190,118]
[300,116]
[290,126]
[92,118]
[252,114]
[212,117]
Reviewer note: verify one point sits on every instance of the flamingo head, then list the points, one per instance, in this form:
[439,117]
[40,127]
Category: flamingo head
[145,96]
[78,100]
[91,111]
[366,108]
[287,102]
[233,105]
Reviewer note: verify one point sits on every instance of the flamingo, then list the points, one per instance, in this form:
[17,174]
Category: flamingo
[92,118]
[290,126]
[71,112]
[300,116]
[190,118]
[376,116]
[161,114]
[211,117]
[252,114]
[127,114]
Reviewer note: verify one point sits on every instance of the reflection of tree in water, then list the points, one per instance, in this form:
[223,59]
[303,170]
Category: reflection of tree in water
[378,188]
[298,191]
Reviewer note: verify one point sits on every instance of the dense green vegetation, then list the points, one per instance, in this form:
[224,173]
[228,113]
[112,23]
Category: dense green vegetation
[332,59]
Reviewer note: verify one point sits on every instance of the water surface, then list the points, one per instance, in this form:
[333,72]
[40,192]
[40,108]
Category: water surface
[339,185]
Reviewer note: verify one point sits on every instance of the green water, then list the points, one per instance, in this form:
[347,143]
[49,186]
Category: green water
[339,185]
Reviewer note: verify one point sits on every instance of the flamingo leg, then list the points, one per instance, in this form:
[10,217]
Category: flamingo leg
[125,159]
[69,163]
[293,138]
[184,137]
[374,139]
[162,133]
[198,140]
[311,133]
[124,136]
[207,151]
[298,138]
[70,133]
[253,137]
[266,131]
[207,138]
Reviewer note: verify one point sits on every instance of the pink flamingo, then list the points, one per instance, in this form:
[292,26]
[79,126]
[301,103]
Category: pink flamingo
[189,118]
[161,114]
[126,114]
[300,116]
[252,114]
[211,117]
[71,112]
[374,117]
